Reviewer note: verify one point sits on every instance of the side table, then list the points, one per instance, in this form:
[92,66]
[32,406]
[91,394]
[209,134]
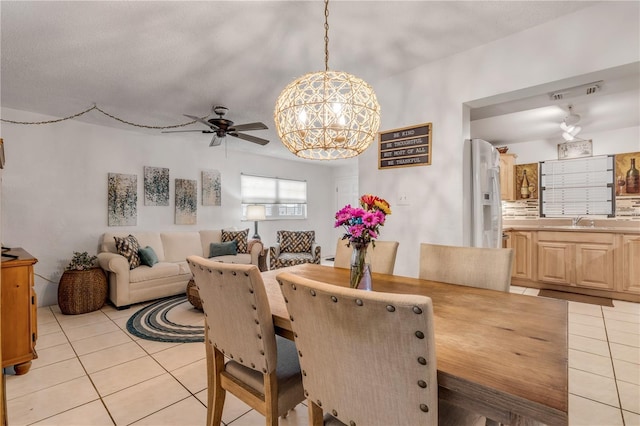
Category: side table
[80,292]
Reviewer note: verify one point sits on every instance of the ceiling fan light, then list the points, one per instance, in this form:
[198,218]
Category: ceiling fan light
[567,136]
[575,130]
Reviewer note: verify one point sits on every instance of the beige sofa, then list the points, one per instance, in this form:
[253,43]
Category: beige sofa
[171,274]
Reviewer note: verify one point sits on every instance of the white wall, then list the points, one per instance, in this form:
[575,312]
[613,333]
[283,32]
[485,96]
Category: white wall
[54,198]
[612,142]
[596,38]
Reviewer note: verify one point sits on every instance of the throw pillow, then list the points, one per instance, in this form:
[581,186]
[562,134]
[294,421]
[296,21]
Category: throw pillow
[128,247]
[223,249]
[240,238]
[148,256]
[296,241]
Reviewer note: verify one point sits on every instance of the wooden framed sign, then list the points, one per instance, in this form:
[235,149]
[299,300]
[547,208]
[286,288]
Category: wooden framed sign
[405,147]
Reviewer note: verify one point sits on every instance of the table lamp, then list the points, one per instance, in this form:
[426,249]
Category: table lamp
[256,213]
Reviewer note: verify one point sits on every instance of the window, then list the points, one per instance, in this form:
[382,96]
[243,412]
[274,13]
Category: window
[282,198]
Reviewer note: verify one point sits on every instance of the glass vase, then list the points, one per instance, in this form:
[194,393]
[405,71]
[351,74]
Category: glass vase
[360,277]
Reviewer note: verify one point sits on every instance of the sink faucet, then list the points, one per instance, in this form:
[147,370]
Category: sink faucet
[576,220]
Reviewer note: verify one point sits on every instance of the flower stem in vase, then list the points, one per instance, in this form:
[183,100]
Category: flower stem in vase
[360,276]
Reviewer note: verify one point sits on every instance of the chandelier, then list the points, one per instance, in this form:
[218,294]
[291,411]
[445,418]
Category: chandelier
[327,115]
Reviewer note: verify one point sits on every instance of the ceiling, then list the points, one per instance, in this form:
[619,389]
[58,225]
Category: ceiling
[150,62]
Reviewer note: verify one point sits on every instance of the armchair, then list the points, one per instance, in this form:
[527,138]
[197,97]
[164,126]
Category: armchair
[294,248]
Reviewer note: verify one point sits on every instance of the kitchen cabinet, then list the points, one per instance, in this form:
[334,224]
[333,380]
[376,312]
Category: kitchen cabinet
[507,177]
[522,244]
[19,311]
[582,259]
[629,264]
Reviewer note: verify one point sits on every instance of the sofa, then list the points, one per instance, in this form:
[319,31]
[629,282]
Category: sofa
[129,283]
[294,248]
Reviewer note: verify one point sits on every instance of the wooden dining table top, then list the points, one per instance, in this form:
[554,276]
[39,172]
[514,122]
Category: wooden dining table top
[499,354]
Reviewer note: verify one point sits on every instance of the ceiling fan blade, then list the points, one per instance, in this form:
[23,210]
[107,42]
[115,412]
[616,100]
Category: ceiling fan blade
[215,141]
[249,138]
[249,126]
[183,131]
[200,120]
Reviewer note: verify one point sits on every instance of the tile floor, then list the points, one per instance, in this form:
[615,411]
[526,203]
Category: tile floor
[91,371]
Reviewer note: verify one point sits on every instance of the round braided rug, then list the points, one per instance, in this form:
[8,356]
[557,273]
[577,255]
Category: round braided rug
[168,320]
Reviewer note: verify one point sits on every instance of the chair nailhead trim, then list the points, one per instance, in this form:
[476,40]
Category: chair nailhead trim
[359,302]
[264,370]
[306,393]
[246,274]
[319,403]
[313,292]
[334,299]
[422,384]
[419,334]
[352,423]
[290,318]
[233,273]
[304,373]
[293,286]
[334,413]
[253,365]
[417,310]
[261,352]
[424,408]
[422,361]
[300,354]
[391,308]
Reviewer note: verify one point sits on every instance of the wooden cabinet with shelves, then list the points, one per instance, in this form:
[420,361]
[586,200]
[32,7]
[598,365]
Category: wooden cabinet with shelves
[19,311]
[507,177]
[628,265]
[522,244]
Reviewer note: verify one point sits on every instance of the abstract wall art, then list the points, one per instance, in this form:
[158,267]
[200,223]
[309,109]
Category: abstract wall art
[122,199]
[211,188]
[186,201]
[156,186]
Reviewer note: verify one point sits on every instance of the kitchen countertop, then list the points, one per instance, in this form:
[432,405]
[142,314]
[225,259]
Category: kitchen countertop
[614,226]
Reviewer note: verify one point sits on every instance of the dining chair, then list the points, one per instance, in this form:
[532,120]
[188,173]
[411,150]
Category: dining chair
[383,256]
[471,266]
[367,358]
[261,369]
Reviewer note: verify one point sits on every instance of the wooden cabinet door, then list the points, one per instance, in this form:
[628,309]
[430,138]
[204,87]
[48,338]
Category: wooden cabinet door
[630,265]
[555,262]
[16,311]
[507,177]
[594,266]
[522,244]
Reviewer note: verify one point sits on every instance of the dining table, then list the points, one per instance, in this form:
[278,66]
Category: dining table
[501,355]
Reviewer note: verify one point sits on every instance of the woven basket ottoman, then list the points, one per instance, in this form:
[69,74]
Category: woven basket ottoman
[80,292]
[193,296]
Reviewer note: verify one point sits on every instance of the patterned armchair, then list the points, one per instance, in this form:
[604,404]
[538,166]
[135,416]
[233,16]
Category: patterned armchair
[294,248]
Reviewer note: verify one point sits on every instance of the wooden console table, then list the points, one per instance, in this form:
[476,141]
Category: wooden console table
[19,310]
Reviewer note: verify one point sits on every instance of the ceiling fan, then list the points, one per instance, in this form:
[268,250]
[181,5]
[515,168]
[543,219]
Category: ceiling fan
[221,127]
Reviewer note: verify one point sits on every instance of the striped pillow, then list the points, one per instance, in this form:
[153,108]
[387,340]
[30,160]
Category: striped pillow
[128,247]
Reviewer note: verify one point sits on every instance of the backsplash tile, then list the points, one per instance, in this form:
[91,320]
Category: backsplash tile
[626,208]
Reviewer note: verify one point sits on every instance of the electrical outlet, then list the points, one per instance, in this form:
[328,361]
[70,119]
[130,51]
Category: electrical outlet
[403,199]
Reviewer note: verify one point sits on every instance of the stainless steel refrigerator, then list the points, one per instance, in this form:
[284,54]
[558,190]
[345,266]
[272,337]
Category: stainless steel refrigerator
[485,204]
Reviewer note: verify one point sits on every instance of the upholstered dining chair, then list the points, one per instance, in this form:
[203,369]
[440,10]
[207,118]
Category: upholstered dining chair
[294,248]
[261,369]
[471,266]
[367,358]
[383,256]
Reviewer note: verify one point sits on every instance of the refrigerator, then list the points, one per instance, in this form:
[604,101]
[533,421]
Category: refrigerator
[485,204]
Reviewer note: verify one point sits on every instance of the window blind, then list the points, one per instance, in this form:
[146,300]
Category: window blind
[266,190]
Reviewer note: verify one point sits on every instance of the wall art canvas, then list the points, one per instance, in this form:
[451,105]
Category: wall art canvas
[211,188]
[156,186]
[186,201]
[122,199]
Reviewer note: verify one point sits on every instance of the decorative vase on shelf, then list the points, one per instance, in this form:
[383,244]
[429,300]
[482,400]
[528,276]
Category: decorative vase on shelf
[360,267]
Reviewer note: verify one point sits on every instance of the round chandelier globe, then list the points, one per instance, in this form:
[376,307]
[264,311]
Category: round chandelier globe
[327,115]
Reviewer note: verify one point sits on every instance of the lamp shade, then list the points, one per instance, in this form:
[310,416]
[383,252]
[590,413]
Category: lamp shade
[327,115]
[256,212]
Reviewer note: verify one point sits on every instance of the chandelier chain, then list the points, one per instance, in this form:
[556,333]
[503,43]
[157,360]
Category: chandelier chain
[326,35]
[95,107]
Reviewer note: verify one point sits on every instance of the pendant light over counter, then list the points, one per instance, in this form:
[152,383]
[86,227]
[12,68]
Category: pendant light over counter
[327,115]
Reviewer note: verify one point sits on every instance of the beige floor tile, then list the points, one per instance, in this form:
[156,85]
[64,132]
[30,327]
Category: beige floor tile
[621,316]
[587,331]
[625,353]
[629,396]
[151,346]
[299,416]
[233,407]
[91,414]
[188,412]
[623,306]
[99,360]
[91,330]
[69,322]
[252,418]
[627,327]
[179,356]
[586,344]
[585,308]
[145,398]
[591,363]
[52,355]
[50,340]
[590,320]
[100,342]
[624,338]
[193,376]
[592,386]
[121,322]
[45,403]
[113,313]
[48,328]
[585,412]
[125,375]
[45,315]
[627,371]
[631,419]
[43,378]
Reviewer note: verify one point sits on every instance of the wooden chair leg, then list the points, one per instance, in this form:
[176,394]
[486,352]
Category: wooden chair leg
[315,414]
[215,393]
[271,399]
